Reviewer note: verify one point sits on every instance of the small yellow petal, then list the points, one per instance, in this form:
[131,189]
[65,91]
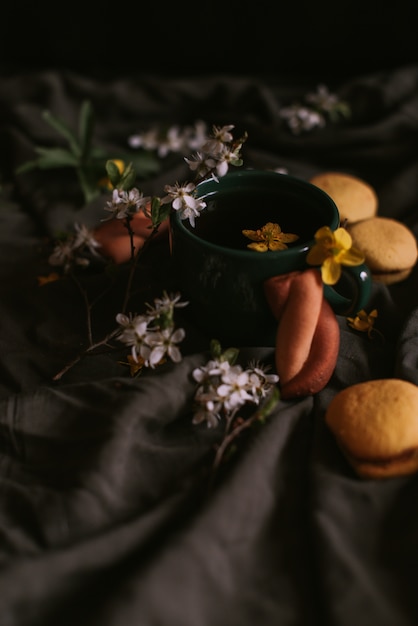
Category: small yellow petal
[254,235]
[351,257]
[119,164]
[324,235]
[277,245]
[272,228]
[316,255]
[258,247]
[330,271]
[342,239]
[288,237]
[361,325]
[364,322]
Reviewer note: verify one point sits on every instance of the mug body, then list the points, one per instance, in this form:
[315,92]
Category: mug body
[214,269]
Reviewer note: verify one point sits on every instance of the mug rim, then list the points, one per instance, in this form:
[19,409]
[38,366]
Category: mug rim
[247,253]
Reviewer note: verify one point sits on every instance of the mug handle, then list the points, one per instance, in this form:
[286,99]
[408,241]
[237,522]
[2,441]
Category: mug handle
[352,292]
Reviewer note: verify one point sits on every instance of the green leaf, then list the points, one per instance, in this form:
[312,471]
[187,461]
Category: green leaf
[63,129]
[159,212]
[86,127]
[26,167]
[127,180]
[269,404]
[54,158]
[113,172]
[90,189]
[230,355]
[215,349]
[99,154]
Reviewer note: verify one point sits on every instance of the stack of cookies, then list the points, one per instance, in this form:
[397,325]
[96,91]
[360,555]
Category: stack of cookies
[375,423]
[389,247]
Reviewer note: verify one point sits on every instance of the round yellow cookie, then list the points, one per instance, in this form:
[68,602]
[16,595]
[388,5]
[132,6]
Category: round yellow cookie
[355,199]
[375,423]
[389,247]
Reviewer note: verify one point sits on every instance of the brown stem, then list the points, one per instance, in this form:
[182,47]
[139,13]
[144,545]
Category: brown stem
[89,349]
[87,305]
[134,264]
[230,435]
[229,438]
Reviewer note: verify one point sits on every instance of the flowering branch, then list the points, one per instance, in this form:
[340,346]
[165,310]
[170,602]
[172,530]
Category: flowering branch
[216,154]
[315,111]
[86,160]
[224,388]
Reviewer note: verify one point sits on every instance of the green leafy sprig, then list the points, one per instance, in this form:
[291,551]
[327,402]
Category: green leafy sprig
[87,160]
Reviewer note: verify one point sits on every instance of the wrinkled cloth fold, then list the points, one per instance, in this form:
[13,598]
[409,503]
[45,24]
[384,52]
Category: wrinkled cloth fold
[105,516]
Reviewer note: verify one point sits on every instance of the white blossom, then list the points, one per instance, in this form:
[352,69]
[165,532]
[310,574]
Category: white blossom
[176,139]
[135,334]
[220,136]
[126,203]
[148,140]
[153,336]
[322,99]
[164,342]
[62,255]
[223,388]
[172,142]
[84,238]
[225,157]
[212,369]
[165,305]
[234,388]
[259,381]
[182,199]
[201,163]
[207,414]
[300,118]
[196,136]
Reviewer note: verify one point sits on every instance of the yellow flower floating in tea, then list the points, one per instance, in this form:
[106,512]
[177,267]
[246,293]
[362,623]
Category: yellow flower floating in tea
[269,237]
[332,250]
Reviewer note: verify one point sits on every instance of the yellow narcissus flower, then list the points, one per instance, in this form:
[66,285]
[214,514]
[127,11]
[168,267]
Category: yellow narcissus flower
[364,322]
[269,237]
[332,250]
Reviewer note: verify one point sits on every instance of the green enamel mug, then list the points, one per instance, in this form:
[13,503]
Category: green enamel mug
[223,280]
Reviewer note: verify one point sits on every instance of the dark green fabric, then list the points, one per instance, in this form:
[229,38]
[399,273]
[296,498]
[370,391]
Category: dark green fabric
[105,514]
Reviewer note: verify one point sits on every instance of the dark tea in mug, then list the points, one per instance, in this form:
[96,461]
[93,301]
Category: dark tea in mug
[226,216]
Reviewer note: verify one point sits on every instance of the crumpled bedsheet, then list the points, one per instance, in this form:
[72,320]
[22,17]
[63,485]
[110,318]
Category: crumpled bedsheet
[106,517]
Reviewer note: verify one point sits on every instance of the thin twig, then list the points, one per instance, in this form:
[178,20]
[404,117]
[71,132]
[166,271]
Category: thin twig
[91,347]
[229,438]
[88,307]
[230,435]
[135,258]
